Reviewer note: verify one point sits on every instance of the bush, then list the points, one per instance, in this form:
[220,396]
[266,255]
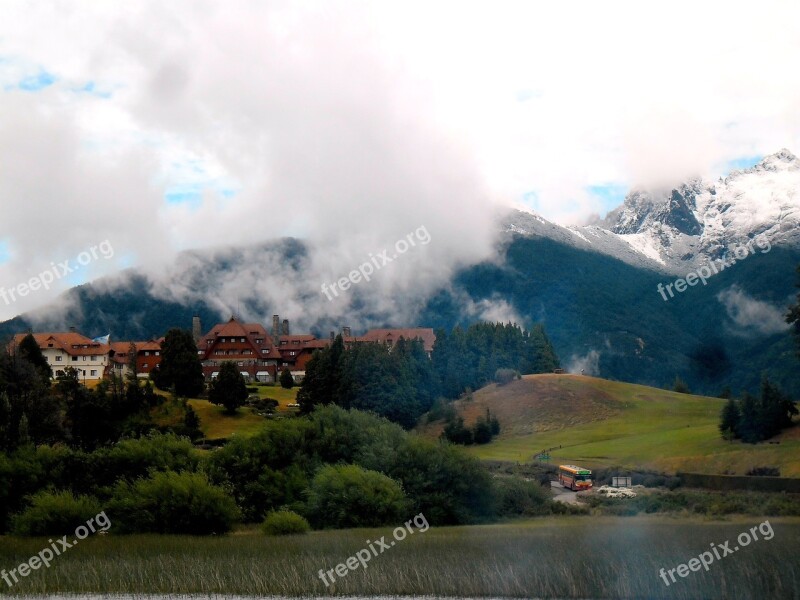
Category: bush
[517,497]
[55,513]
[284,522]
[504,376]
[169,502]
[351,496]
[286,380]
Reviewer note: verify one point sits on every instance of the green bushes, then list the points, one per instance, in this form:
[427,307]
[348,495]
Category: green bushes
[505,376]
[169,502]
[351,496]
[284,522]
[517,497]
[54,513]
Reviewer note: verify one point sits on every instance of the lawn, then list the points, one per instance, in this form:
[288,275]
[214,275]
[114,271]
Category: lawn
[282,395]
[557,557]
[642,427]
[216,424]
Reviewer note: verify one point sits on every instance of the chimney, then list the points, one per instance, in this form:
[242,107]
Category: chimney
[72,329]
[276,325]
[346,332]
[197,328]
[332,337]
[285,328]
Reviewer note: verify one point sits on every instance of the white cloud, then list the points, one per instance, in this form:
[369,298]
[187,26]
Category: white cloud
[588,364]
[351,124]
[751,316]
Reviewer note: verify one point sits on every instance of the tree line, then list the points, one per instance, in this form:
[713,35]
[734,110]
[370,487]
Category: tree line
[402,383]
[754,419]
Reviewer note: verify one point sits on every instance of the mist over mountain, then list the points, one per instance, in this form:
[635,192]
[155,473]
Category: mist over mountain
[595,288]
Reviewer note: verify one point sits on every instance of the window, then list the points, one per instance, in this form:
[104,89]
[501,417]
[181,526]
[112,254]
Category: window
[93,373]
[157,353]
[74,358]
[144,365]
[292,353]
[146,353]
[58,358]
[259,341]
[241,363]
[264,351]
[283,342]
[242,340]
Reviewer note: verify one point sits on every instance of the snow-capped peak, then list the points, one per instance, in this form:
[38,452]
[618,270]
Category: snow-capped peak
[698,220]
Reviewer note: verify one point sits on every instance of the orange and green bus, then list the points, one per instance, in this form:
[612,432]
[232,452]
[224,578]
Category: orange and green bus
[575,478]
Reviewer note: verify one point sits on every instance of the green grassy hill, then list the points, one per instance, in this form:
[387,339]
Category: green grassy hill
[596,423]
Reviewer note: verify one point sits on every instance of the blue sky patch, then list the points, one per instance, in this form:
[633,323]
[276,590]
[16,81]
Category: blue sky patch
[610,195]
[91,88]
[5,252]
[34,83]
[743,162]
[531,200]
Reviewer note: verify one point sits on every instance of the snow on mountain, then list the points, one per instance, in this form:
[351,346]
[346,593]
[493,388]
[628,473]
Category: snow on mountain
[678,229]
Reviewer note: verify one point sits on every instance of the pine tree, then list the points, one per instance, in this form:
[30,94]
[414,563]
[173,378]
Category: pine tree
[729,420]
[229,388]
[286,379]
[748,420]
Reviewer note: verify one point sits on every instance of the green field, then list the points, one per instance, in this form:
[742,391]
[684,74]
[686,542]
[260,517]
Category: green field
[601,423]
[565,557]
[215,423]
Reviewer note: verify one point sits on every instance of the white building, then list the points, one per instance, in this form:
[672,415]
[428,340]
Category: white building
[74,350]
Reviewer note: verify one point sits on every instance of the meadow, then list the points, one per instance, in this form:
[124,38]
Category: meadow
[557,557]
[215,423]
[599,423]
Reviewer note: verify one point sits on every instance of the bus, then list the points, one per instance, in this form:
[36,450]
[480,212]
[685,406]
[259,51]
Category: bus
[575,478]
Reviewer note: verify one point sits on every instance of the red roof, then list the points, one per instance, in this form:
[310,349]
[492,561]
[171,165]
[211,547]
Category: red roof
[251,332]
[70,342]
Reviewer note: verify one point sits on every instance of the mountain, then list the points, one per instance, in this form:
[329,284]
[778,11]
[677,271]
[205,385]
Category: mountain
[679,229]
[595,288]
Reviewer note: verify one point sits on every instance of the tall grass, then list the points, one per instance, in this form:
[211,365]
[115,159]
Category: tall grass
[568,557]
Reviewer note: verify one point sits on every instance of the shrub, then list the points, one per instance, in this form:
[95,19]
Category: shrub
[286,380]
[351,496]
[517,497]
[169,502]
[764,472]
[284,522]
[54,513]
[504,376]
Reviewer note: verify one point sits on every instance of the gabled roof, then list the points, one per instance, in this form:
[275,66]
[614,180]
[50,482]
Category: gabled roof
[65,341]
[238,330]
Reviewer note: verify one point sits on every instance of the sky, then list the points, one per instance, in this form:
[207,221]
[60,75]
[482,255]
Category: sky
[160,127]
